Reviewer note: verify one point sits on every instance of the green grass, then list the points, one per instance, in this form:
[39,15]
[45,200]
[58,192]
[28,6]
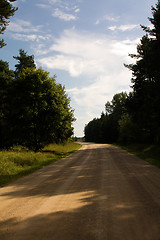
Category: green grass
[20,161]
[150,153]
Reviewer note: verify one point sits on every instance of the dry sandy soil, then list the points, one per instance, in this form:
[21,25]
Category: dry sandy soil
[99,192]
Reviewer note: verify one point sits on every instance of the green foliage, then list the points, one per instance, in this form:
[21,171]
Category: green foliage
[128,130]
[24,61]
[149,153]
[20,161]
[6,81]
[155,31]
[93,131]
[106,128]
[6,11]
[40,111]
[143,104]
[62,149]
[117,105]
[34,109]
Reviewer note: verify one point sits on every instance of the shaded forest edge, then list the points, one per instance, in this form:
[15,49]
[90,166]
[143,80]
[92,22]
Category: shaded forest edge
[20,161]
[133,119]
[147,152]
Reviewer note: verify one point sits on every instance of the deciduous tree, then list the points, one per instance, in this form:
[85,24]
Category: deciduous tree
[41,111]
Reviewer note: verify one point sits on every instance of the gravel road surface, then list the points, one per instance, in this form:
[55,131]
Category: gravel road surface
[100,192]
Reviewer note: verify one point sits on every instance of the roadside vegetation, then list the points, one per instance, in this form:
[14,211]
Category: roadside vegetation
[19,161]
[149,153]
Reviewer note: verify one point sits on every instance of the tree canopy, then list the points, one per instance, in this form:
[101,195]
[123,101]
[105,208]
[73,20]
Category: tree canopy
[41,112]
[106,128]
[34,109]
[24,61]
[6,80]
[143,104]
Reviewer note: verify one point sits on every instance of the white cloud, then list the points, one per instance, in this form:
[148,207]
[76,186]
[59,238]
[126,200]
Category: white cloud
[127,27]
[54,1]
[97,22]
[112,28]
[124,47]
[91,99]
[77,10]
[64,10]
[24,31]
[44,6]
[40,49]
[103,88]
[87,54]
[63,16]
[20,25]
[24,37]
[97,58]
[109,18]
[29,37]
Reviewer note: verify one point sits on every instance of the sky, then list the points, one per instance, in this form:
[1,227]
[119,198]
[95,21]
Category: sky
[84,42]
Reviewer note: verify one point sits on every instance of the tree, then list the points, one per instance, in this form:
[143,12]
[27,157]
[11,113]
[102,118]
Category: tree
[145,99]
[40,111]
[115,109]
[128,130]
[106,128]
[6,11]
[6,80]
[117,105]
[92,131]
[24,61]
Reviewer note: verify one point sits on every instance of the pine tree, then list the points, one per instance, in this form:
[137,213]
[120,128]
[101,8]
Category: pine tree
[144,103]
[6,11]
[24,61]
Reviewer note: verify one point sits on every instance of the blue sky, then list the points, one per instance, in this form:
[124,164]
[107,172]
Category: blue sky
[84,42]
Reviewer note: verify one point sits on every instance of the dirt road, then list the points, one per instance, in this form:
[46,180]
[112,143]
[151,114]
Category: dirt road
[99,192]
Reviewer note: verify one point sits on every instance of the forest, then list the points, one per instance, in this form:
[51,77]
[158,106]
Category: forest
[135,117]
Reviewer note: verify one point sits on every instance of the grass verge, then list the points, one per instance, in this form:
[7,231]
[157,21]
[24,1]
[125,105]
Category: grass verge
[20,161]
[150,153]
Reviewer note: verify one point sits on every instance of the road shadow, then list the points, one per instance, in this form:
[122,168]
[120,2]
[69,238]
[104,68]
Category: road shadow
[89,200]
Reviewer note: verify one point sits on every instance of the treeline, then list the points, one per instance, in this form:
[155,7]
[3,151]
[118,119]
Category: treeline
[135,117]
[34,109]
